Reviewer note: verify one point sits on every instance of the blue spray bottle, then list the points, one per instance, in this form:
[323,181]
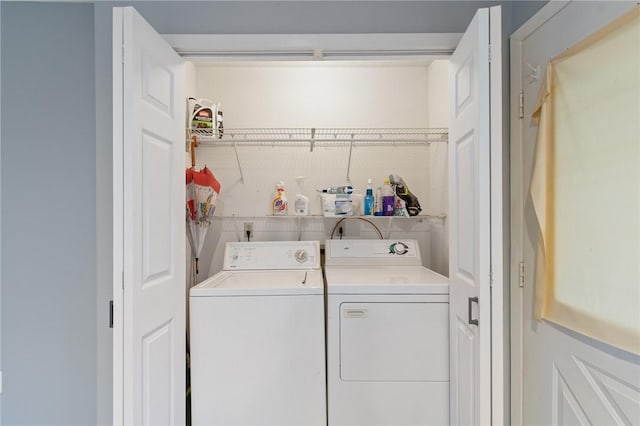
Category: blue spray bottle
[368,200]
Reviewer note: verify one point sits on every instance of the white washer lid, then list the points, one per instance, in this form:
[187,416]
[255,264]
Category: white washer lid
[260,283]
[385,280]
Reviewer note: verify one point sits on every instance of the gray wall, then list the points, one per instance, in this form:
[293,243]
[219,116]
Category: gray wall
[49,214]
[56,263]
[308,17]
[522,11]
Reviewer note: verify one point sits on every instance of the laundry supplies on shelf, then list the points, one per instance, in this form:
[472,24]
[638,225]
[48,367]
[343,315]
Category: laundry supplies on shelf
[368,200]
[279,203]
[337,204]
[301,202]
[388,201]
[378,211]
[402,193]
[345,189]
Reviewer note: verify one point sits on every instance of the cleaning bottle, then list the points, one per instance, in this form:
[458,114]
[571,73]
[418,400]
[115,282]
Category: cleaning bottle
[280,200]
[301,202]
[388,202]
[378,202]
[368,200]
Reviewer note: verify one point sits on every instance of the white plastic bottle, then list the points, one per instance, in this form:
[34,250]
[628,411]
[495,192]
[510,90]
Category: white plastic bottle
[279,203]
[378,210]
[301,202]
[388,199]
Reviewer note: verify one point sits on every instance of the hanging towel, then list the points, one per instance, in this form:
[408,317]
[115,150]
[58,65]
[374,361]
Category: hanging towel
[585,187]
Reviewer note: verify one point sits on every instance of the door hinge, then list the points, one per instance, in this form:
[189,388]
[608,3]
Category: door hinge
[110,313]
[489,53]
[122,53]
[521,105]
[521,274]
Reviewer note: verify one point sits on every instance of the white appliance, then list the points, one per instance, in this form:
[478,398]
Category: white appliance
[257,338]
[387,335]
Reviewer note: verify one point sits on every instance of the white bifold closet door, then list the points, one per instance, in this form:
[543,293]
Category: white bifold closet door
[475,248]
[149,232]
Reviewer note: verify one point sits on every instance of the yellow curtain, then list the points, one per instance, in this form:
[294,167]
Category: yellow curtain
[586,187]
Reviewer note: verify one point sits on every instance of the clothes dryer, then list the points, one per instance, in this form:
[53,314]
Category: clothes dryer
[257,338]
[387,335]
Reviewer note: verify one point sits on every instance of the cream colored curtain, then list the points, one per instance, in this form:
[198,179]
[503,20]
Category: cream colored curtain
[586,187]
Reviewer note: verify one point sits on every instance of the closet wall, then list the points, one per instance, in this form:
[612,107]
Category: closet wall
[389,94]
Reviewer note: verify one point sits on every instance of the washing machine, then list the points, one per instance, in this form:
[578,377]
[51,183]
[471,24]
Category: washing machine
[387,335]
[257,338]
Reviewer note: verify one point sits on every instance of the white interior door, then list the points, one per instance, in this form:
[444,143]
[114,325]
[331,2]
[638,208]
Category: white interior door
[559,377]
[149,248]
[471,229]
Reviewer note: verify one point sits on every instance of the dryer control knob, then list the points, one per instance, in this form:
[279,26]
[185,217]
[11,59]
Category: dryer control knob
[399,248]
[301,255]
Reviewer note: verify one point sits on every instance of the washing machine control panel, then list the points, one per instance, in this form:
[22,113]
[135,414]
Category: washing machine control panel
[268,255]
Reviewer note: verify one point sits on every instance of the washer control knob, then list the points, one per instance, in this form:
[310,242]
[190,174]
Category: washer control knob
[301,255]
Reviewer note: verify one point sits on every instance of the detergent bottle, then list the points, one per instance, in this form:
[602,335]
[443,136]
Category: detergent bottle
[202,118]
[388,198]
[279,200]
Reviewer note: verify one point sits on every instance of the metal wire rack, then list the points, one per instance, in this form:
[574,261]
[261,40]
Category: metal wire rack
[312,137]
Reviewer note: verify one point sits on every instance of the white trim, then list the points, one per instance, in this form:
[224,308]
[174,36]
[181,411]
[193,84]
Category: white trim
[0,248]
[118,224]
[517,220]
[226,47]
[497,252]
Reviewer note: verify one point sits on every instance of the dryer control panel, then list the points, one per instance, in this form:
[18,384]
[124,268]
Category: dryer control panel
[270,255]
[373,252]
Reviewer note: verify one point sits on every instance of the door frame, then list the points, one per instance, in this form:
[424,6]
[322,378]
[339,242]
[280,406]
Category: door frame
[319,46]
[234,47]
[305,47]
[518,195]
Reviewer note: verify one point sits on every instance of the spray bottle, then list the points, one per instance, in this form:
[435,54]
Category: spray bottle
[301,203]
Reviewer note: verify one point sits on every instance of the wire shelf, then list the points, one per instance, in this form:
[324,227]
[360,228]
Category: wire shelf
[419,217]
[319,136]
[312,137]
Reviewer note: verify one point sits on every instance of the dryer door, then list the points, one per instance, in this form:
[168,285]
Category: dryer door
[394,342]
